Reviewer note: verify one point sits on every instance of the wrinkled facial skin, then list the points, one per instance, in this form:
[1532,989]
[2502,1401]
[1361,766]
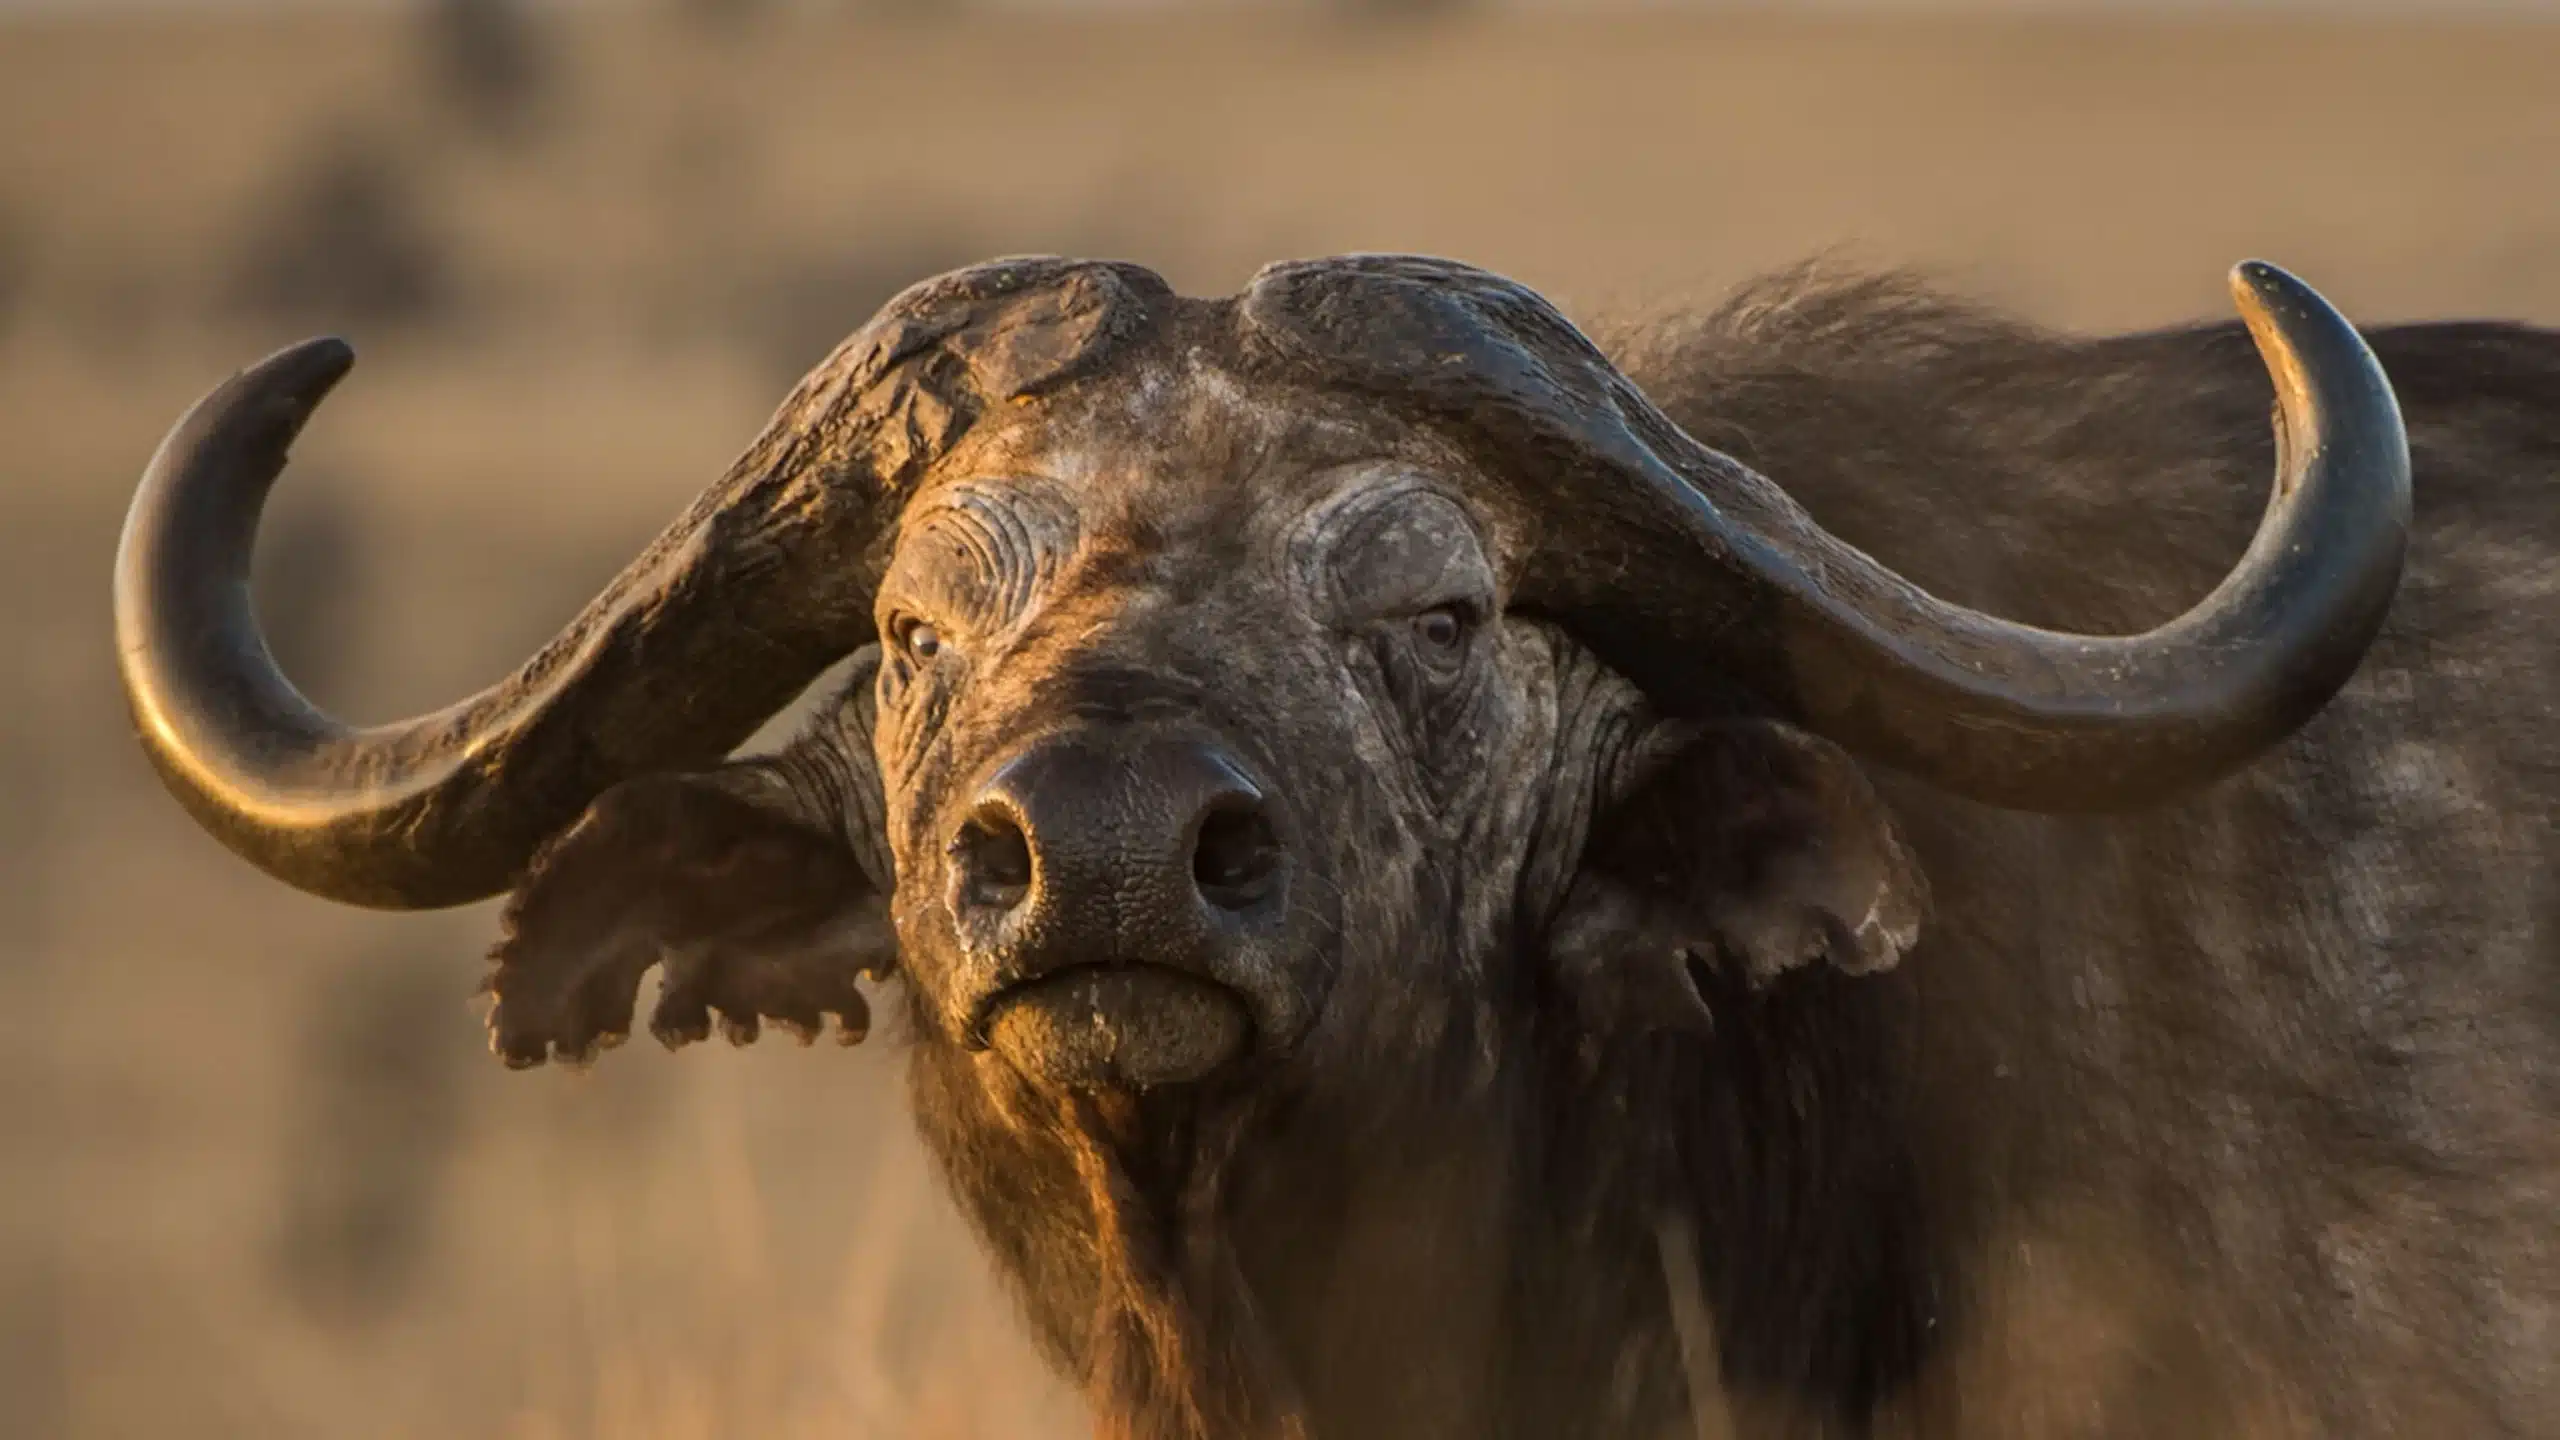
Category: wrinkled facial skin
[1177,571]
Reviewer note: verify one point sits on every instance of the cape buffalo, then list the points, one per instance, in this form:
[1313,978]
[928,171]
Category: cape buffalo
[1435,901]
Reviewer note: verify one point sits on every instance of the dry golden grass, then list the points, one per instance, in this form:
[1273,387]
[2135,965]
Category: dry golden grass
[260,1178]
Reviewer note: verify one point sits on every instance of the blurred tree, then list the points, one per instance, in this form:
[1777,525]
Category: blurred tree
[17,264]
[488,64]
[735,14]
[34,1344]
[377,1114]
[343,239]
[724,15]
[1400,9]
[308,585]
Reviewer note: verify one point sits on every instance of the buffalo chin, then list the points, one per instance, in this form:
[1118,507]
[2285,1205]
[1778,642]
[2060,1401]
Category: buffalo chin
[1118,1027]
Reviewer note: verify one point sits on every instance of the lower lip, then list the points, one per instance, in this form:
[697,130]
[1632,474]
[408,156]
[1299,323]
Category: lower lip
[1120,1026]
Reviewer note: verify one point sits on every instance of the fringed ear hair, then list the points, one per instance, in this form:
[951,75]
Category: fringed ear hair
[1749,844]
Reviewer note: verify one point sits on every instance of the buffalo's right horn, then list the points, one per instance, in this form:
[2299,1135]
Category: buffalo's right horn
[712,630]
[2043,720]
[761,585]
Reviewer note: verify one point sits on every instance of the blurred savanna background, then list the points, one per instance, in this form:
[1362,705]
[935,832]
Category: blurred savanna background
[261,1177]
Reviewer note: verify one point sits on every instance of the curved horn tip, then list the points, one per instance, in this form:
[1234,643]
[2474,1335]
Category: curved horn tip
[264,406]
[2269,296]
[2264,282]
[305,370]
[2300,336]
[2278,306]
[333,350]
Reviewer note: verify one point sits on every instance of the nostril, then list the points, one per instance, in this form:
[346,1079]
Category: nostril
[995,860]
[1234,858]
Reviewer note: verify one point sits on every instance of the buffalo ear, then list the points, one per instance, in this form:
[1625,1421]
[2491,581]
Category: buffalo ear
[1746,845]
[727,877]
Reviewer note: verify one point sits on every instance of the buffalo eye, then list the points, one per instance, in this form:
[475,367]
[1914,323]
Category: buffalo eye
[1440,629]
[919,640]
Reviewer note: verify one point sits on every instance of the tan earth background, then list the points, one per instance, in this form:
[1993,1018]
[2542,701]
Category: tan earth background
[261,1178]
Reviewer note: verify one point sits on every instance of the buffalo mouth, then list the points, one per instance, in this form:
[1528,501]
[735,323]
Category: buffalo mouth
[1118,1026]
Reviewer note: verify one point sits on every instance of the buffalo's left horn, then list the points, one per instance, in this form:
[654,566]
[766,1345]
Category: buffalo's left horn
[1689,571]
[2039,720]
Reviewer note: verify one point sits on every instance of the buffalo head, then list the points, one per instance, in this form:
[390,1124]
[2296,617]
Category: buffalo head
[1233,678]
